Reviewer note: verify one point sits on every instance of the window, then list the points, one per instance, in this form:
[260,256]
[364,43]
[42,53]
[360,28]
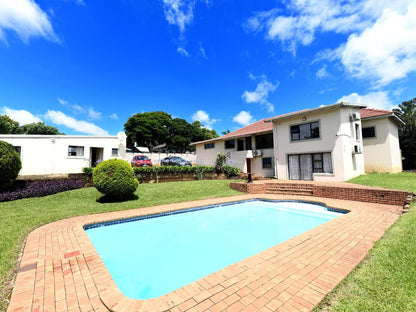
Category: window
[369,132]
[209,145]
[114,152]
[305,131]
[76,151]
[357,132]
[18,149]
[240,145]
[318,164]
[248,143]
[264,141]
[230,144]
[267,163]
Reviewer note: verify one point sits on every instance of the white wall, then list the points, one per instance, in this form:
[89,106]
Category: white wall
[382,153]
[337,136]
[236,158]
[48,155]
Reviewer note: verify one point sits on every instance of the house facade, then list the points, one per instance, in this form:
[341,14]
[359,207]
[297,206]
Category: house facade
[63,154]
[321,144]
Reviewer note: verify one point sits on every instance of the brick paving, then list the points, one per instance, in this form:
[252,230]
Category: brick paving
[61,271]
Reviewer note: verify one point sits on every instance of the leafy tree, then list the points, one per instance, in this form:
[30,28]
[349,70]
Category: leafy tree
[148,129]
[10,165]
[37,128]
[8,125]
[155,128]
[226,132]
[407,132]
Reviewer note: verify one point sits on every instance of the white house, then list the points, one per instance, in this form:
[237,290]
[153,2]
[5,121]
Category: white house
[63,154]
[321,144]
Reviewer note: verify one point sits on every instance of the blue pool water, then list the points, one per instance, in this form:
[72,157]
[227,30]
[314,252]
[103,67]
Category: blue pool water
[153,256]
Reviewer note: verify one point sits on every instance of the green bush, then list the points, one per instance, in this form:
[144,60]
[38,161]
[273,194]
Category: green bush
[10,165]
[115,178]
[231,171]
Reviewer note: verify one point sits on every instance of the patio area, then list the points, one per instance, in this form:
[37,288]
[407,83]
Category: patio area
[61,271]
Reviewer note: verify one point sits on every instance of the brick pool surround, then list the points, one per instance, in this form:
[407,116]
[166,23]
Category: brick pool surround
[60,269]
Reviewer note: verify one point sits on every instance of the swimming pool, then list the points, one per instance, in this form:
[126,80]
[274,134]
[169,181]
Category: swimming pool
[152,255]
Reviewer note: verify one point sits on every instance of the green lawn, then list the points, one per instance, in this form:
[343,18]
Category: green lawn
[386,279]
[19,217]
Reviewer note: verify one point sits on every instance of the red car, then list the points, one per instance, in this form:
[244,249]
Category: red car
[141,161]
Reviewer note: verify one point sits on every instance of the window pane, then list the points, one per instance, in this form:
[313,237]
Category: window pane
[264,141]
[305,131]
[315,130]
[230,144]
[240,145]
[209,145]
[248,143]
[114,152]
[327,162]
[369,132]
[267,163]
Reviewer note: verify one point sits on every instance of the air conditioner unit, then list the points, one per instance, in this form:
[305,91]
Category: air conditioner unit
[355,116]
[357,149]
[257,153]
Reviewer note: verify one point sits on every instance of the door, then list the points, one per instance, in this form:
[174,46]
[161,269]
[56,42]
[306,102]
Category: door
[96,155]
[300,167]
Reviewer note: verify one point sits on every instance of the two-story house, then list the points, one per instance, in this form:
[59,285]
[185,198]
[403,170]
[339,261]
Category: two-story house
[322,144]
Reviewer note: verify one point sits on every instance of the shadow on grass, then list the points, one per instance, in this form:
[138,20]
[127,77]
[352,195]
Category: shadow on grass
[106,199]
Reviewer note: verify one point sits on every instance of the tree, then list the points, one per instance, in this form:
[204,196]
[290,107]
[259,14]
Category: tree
[148,129]
[8,125]
[155,128]
[37,128]
[10,165]
[407,132]
[226,132]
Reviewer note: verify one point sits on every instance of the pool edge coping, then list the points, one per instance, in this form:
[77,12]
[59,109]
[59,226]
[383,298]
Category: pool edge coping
[108,291]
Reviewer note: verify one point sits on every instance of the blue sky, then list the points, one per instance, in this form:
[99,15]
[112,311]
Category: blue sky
[86,66]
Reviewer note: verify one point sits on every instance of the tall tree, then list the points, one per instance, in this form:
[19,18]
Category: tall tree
[8,125]
[148,129]
[155,128]
[407,132]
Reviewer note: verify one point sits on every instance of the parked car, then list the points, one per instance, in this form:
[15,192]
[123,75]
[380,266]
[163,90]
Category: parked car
[175,161]
[141,161]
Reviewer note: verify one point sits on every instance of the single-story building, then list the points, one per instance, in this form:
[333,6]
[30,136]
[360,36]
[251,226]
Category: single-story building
[330,143]
[64,154]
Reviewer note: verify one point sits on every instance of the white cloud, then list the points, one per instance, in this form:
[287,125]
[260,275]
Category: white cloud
[322,73]
[22,116]
[93,114]
[378,100]
[114,116]
[202,51]
[179,13]
[182,51]
[386,51]
[204,118]
[59,118]
[261,93]
[61,101]
[381,43]
[243,118]
[26,18]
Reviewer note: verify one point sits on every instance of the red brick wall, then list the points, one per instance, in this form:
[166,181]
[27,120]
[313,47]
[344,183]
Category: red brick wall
[390,197]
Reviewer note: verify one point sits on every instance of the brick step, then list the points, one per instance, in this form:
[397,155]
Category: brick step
[290,192]
[289,189]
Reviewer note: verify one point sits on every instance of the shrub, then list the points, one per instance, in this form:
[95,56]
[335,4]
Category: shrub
[115,178]
[231,171]
[87,171]
[10,165]
[22,189]
[220,162]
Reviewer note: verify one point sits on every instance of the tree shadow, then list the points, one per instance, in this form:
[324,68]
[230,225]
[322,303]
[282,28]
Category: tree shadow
[106,199]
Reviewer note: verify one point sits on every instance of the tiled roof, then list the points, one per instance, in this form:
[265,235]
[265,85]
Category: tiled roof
[256,127]
[369,112]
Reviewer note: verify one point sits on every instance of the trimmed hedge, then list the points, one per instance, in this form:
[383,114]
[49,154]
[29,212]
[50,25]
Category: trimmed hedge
[156,172]
[10,165]
[115,178]
[22,189]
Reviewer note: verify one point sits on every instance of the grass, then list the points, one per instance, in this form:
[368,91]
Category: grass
[386,279]
[19,217]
